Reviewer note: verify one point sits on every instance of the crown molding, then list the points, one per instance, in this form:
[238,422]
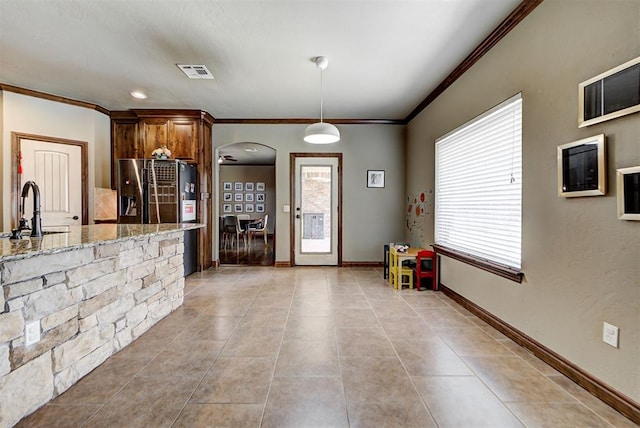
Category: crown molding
[56,98]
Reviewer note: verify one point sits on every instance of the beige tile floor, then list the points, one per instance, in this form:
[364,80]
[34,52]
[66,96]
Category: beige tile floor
[321,347]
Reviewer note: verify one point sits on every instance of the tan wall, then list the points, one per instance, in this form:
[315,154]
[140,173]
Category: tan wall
[581,264]
[371,217]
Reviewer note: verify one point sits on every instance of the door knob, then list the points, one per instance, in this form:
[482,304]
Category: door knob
[297,215]
[75,217]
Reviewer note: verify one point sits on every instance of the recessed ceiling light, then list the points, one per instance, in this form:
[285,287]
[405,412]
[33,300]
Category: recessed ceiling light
[250,150]
[139,95]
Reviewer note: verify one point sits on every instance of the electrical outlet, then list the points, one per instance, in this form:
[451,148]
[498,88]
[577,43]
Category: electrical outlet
[32,333]
[610,334]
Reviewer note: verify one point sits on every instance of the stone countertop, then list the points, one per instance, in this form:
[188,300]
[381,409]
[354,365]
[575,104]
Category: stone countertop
[76,237]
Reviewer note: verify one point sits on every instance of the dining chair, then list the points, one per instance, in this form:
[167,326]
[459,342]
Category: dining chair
[240,232]
[259,227]
[426,267]
[398,272]
[228,230]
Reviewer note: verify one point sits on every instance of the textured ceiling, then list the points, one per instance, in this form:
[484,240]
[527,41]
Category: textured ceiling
[385,56]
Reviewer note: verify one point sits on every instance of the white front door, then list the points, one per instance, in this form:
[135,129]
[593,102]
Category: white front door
[316,211]
[57,170]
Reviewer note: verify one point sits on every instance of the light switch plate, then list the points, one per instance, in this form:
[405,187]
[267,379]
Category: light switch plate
[286,208]
[610,334]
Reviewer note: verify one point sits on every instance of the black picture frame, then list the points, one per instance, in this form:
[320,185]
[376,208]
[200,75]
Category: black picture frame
[582,168]
[628,193]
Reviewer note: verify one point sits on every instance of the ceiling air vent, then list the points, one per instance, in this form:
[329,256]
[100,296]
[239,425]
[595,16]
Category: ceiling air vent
[195,71]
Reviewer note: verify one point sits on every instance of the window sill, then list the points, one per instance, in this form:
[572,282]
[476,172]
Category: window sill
[495,268]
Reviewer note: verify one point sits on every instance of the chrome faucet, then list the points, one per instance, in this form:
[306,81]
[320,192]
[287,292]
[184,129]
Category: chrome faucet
[36,221]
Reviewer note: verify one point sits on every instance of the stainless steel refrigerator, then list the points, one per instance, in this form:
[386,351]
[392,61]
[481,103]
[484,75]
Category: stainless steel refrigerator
[160,191]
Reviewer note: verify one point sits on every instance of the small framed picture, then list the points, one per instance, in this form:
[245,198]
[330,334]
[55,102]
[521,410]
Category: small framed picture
[239,197]
[259,208]
[227,197]
[248,197]
[237,208]
[582,167]
[259,187]
[238,186]
[248,187]
[248,208]
[628,193]
[259,197]
[227,186]
[226,208]
[375,178]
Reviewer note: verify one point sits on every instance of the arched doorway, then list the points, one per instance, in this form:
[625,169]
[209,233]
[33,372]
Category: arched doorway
[246,196]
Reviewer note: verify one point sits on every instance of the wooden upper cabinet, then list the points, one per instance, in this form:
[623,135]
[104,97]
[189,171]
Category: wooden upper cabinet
[155,134]
[180,136]
[183,139]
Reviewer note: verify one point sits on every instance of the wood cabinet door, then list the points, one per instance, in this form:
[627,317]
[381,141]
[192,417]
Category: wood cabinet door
[124,136]
[155,134]
[183,139]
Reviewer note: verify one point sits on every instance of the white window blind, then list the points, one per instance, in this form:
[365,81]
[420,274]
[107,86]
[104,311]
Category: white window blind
[478,205]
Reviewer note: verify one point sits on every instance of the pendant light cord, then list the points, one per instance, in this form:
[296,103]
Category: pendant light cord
[321,94]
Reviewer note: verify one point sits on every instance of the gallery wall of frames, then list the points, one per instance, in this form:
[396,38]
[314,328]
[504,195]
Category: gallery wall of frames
[247,189]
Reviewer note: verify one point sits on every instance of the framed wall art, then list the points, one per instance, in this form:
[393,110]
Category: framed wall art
[628,193]
[248,197]
[227,197]
[248,208]
[227,186]
[260,197]
[239,197]
[226,208]
[610,95]
[238,186]
[237,208]
[375,178]
[260,187]
[248,187]
[259,208]
[582,167]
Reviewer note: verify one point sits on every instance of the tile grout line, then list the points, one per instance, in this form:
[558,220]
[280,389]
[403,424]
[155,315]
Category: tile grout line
[277,357]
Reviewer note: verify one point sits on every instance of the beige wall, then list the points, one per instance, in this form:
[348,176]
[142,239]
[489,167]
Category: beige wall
[371,217]
[29,115]
[581,264]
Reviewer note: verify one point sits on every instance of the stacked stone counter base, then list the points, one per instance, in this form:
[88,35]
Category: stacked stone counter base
[91,301]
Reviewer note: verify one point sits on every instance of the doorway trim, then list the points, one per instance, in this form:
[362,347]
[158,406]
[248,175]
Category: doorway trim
[16,140]
[292,198]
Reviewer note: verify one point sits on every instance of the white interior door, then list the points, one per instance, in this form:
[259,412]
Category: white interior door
[316,211]
[57,170]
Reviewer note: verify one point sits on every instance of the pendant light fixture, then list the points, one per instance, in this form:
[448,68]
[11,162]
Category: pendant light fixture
[321,132]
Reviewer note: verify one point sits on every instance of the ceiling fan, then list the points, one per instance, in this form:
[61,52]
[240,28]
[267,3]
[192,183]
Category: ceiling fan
[223,158]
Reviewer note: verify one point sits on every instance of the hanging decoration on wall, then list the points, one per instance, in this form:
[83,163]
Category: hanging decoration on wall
[418,208]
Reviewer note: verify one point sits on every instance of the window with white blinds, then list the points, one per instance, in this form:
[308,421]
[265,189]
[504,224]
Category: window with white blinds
[478,205]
